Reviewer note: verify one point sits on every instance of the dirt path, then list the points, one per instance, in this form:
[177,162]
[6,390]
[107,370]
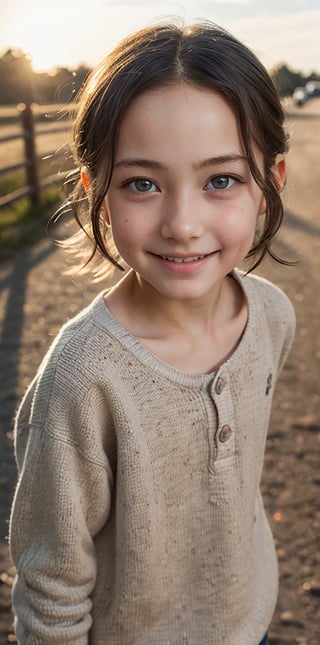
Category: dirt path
[35,298]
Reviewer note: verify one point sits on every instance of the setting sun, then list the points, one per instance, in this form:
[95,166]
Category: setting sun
[38,33]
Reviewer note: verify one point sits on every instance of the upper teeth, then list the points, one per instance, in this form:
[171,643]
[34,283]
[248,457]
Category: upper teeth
[180,260]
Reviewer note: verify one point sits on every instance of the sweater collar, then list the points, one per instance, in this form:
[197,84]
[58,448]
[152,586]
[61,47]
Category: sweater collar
[238,361]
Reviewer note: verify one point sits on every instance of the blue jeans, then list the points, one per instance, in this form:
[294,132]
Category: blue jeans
[264,640]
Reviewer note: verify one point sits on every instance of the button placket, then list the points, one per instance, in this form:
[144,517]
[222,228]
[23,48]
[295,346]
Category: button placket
[225,436]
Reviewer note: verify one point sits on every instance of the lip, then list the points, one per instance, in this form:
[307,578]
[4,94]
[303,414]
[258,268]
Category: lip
[184,263]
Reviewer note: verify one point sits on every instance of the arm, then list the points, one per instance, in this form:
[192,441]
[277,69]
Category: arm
[62,500]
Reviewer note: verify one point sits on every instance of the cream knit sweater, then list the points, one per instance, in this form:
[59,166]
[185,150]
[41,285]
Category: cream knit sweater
[137,519]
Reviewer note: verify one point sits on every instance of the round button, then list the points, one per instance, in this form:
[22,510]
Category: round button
[225,433]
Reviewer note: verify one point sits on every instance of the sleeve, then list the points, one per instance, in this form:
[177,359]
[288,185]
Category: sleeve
[281,319]
[62,500]
[287,322]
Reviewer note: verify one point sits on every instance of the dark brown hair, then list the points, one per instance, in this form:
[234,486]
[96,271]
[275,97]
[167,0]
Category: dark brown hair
[204,55]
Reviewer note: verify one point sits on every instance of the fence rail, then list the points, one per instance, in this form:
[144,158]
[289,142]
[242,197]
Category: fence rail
[34,185]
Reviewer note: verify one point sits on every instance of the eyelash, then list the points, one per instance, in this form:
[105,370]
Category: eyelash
[129,184]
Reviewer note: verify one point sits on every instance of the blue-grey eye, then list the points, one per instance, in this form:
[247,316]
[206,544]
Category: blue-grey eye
[220,182]
[141,185]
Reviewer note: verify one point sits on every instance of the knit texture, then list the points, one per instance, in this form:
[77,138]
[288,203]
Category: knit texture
[137,518]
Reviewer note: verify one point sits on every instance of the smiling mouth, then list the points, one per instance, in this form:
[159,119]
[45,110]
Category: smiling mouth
[192,258]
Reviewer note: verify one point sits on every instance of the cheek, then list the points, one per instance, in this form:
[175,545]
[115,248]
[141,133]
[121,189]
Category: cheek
[238,227]
[128,235]
[118,221]
[121,234]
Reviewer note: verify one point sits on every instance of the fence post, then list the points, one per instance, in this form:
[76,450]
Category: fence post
[27,119]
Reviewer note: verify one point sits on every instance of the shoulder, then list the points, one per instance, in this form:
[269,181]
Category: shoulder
[74,336]
[72,363]
[269,298]
[272,315]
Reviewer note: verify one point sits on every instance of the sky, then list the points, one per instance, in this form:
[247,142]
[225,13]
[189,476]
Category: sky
[67,33]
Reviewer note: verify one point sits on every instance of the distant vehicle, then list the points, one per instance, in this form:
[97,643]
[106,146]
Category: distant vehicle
[300,96]
[313,88]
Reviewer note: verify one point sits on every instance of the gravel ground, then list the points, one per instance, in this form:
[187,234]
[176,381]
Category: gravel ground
[35,298]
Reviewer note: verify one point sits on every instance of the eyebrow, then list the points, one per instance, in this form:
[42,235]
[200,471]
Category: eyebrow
[216,161]
[143,163]
[128,162]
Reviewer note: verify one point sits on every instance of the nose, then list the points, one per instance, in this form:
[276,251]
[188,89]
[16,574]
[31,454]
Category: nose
[181,219]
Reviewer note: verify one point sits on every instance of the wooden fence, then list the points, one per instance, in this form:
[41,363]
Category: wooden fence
[31,160]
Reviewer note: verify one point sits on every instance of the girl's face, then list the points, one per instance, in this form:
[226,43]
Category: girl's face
[182,203]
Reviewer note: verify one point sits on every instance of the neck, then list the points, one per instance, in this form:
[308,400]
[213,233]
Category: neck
[153,315]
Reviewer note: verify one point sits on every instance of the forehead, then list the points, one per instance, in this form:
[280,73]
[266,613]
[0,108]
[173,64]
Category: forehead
[180,114]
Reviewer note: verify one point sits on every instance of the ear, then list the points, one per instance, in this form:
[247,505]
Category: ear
[279,172]
[85,179]
[86,184]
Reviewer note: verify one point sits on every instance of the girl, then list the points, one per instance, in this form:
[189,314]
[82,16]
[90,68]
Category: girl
[137,519]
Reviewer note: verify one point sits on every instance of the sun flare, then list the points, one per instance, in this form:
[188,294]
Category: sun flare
[37,31]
